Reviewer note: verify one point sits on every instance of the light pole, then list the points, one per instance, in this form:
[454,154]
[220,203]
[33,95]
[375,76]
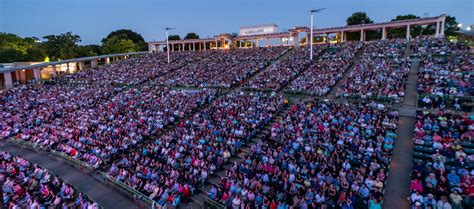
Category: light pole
[167,43]
[311,33]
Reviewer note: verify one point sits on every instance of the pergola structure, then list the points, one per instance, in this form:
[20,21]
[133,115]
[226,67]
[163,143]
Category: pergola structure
[225,41]
[9,75]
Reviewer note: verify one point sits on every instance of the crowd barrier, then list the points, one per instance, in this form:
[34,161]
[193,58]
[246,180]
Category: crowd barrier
[376,98]
[212,204]
[75,162]
[35,147]
[466,102]
[131,192]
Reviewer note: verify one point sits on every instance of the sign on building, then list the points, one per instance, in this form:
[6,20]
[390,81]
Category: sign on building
[258,29]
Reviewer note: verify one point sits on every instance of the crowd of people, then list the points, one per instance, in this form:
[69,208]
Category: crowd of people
[377,77]
[380,73]
[134,70]
[393,48]
[443,171]
[446,76]
[429,46]
[178,162]
[321,77]
[281,73]
[218,68]
[320,155]
[92,124]
[26,185]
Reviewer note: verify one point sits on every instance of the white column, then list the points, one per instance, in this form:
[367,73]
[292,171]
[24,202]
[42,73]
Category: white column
[217,46]
[408,34]
[94,63]
[67,69]
[437,29]
[172,47]
[8,80]
[442,29]
[194,46]
[295,39]
[107,60]
[204,45]
[384,33]
[53,67]
[362,34]
[37,73]
[82,65]
[256,42]
[342,36]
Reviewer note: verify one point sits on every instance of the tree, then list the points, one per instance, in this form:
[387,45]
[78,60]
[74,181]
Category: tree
[174,37]
[128,35]
[35,54]
[401,32]
[191,36]
[450,26]
[358,18]
[14,49]
[10,55]
[60,47]
[89,50]
[116,45]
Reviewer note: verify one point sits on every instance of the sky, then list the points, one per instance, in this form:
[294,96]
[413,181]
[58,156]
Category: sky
[94,19]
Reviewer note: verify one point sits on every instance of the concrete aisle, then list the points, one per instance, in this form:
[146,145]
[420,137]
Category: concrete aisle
[97,190]
[398,182]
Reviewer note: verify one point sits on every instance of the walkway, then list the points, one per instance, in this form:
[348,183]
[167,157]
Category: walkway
[88,184]
[398,182]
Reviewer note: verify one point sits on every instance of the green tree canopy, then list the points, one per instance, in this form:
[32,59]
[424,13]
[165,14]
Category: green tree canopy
[14,49]
[174,37]
[118,45]
[61,47]
[191,36]
[358,18]
[451,26]
[89,50]
[401,32]
[128,34]
[10,55]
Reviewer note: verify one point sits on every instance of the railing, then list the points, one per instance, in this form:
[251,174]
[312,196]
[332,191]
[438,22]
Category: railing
[35,147]
[212,204]
[133,193]
[376,98]
[26,144]
[464,101]
[75,162]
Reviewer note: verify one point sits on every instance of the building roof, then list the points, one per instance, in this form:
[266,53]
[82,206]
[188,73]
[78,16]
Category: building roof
[258,26]
[46,64]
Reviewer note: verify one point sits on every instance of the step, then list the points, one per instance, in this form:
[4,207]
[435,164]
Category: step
[247,150]
[227,166]
[220,173]
[242,155]
[213,181]
[199,199]
[206,189]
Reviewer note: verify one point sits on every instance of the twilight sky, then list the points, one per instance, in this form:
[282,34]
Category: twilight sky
[94,19]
